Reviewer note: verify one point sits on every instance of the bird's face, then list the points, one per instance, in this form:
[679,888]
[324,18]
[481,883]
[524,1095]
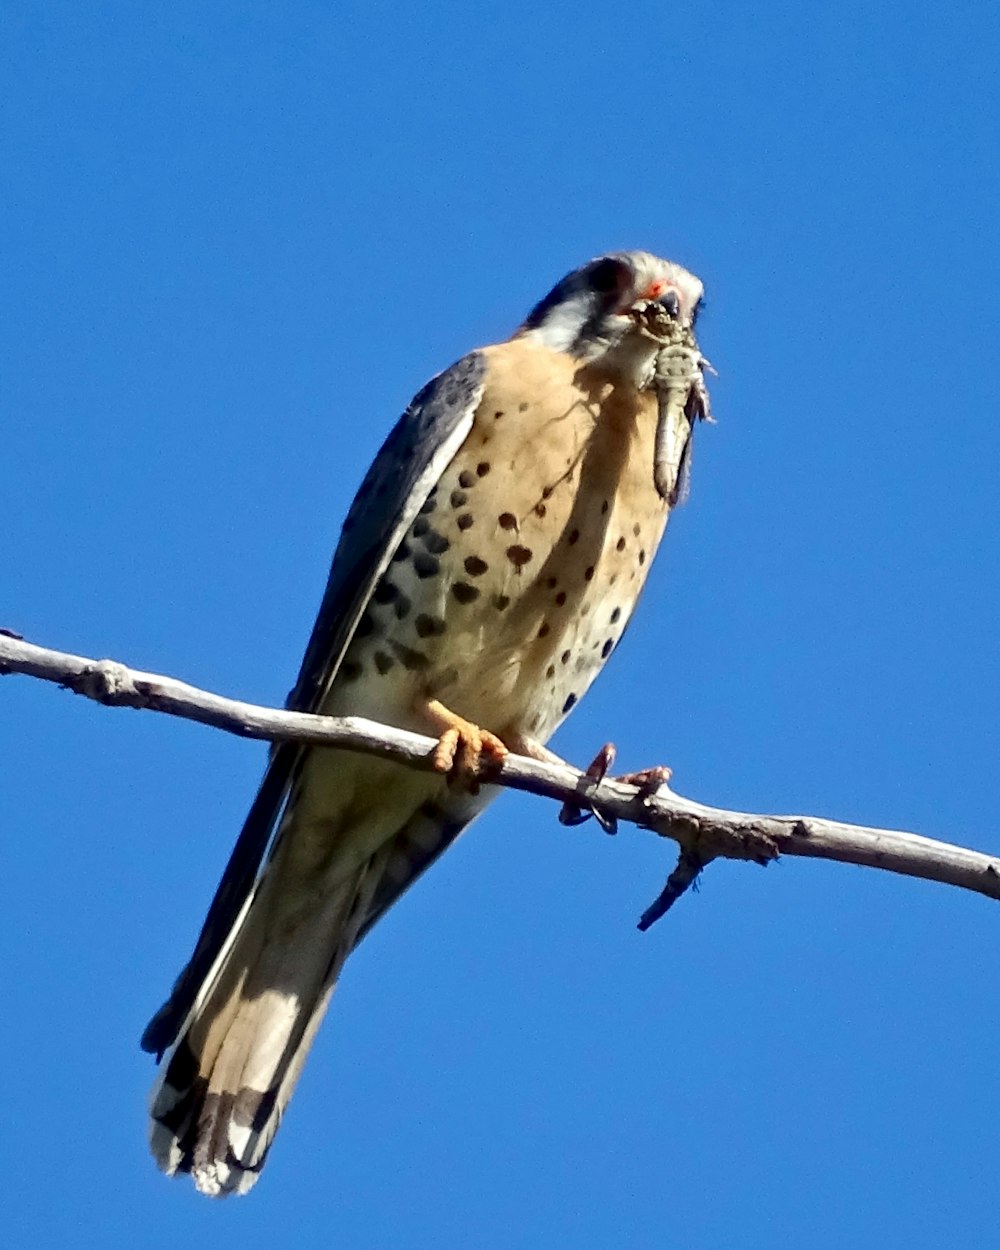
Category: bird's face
[618,308]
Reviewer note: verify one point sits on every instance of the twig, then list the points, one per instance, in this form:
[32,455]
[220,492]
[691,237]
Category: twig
[703,833]
[685,875]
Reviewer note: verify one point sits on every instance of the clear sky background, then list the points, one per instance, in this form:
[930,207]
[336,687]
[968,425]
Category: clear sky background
[236,239]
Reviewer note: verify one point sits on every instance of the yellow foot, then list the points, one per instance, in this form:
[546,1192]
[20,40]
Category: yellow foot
[464,751]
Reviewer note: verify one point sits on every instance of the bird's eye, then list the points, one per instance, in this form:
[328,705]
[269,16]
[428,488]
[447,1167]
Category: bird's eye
[608,276]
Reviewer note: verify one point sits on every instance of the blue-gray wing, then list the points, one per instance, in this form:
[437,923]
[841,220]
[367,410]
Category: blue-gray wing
[413,457]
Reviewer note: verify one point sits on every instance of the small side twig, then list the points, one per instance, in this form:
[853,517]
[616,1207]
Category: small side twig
[684,876]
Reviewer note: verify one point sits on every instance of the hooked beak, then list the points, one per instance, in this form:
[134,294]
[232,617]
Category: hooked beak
[657,318]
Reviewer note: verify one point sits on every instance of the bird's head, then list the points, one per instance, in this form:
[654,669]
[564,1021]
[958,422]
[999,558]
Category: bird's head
[616,310]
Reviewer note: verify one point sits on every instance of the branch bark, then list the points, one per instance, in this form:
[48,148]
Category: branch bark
[703,833]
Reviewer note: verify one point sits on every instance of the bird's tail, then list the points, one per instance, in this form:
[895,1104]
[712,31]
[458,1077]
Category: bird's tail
[228,1078]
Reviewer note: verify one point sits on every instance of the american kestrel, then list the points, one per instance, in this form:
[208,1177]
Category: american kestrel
[486,570]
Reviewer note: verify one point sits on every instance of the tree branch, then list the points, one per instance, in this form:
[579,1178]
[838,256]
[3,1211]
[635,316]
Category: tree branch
[703,833]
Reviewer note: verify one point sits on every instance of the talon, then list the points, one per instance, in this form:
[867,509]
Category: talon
[602,761]
[596,771]
[494,748]
[464,751]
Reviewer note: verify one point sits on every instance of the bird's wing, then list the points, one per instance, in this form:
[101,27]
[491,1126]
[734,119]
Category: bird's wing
[411,460]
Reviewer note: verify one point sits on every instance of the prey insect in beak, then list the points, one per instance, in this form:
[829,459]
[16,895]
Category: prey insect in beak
[682,396]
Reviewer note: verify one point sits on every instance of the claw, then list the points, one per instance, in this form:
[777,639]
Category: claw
[596,771]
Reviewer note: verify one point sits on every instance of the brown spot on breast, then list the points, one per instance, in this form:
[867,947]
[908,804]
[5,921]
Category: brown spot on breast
[547,492]
[550,671]
[497,415]
[604,507]
[636,529]
[475,567]
[385,592]
[540,509]
[436,543]
[351,670]
[543,630]
[402,552]
[466,478]
[428,626]
[420,527]
[365,626]
[410,659]
[588,575]
[464,593]
[426,565]
[570,700]
[465,521]
[615,615]
[507,521]
[620,545]
[428,506]
[519,556]
[500,602]
[642,557]
[458,497]
[482,468]
[383,662]
[561,597]
[607,648]
[565,657]
[573,537]
[522,407]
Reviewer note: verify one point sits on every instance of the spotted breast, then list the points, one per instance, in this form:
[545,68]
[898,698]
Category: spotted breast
[518,577]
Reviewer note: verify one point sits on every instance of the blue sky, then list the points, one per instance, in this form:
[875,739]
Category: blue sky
[237,238]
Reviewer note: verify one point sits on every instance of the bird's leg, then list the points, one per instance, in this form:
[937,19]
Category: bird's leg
[524,744]
[463,748]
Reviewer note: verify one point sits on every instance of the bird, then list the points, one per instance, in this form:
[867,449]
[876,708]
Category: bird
[485,571]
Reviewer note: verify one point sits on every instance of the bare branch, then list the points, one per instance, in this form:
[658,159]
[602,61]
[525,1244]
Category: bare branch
[703,833]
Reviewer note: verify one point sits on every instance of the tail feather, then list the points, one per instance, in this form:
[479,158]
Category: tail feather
[235,1046]
[225,1084]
